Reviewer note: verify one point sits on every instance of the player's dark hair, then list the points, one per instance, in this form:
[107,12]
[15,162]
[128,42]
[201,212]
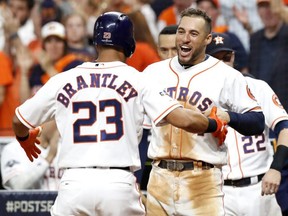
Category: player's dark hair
[192,12]
[169,30]
[30,4]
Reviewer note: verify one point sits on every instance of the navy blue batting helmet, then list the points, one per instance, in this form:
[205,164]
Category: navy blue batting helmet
[115,29]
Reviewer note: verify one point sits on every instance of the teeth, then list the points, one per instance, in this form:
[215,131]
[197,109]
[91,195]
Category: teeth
[185,47]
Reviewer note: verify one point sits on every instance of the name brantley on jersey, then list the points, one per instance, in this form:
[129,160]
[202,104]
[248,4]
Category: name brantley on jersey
[124,88]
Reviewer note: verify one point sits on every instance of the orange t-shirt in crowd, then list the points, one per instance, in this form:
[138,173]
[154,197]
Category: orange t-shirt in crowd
[60,65]
[11,98]
[168,16]
[143,56]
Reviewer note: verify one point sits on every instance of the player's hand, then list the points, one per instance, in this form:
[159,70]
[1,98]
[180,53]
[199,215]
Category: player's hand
[271,182]
[221,130]
[29,145]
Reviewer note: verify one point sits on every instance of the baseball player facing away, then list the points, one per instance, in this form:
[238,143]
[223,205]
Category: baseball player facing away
[250,157]
[99,108]
[186,177]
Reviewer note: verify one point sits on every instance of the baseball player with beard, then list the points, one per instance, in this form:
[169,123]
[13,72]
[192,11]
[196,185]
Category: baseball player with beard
[99,109]
[186,177]
[250,157]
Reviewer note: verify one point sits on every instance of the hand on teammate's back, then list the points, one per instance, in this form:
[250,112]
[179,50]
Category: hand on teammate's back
[29,145]
[221,130]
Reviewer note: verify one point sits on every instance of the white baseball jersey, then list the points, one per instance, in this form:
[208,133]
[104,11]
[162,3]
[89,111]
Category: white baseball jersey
[99,109]
[207,84]
[19,173]
[252,155]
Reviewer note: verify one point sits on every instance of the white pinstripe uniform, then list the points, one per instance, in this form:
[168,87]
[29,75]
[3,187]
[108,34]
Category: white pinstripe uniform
[99,109]
[209,83]
[250,156]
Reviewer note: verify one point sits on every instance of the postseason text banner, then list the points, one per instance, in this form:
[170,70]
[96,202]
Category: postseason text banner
[32,202]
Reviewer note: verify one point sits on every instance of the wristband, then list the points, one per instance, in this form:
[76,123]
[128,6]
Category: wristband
[280,157]
[22,138]
[212,126]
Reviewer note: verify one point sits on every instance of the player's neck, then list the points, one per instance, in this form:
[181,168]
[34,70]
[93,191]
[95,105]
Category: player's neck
[185,66]
[110,56]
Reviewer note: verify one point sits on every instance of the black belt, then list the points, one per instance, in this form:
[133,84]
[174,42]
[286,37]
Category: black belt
[181,166]
[100,167]
[242,182]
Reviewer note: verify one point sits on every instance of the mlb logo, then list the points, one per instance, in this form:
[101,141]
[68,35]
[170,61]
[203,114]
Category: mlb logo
[107,35]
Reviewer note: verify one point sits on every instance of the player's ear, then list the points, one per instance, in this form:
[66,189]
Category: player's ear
[208,39]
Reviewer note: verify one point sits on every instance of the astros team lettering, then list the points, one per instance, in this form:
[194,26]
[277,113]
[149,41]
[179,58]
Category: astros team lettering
[125,89]
[195,98]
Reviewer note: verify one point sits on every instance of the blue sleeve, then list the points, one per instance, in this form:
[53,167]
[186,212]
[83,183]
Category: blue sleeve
[280,126]
[248,124]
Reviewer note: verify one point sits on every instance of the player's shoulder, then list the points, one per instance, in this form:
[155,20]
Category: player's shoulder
[157,65]
[219,66]
[257,82]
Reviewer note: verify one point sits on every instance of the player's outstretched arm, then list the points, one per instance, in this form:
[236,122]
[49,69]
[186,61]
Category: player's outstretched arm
[248,124]
[27,138]
[195,122]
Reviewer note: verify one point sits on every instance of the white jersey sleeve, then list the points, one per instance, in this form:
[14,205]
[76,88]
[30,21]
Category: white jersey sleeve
[252,155]
[155,96]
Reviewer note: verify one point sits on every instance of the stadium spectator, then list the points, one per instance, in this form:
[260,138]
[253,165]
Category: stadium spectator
[280,7]
[146,49]
[171,15]
[21,11]
[54,58]
[145,7]
[2,36]
[242,18]
[77,38]
[7,100]
[267,48]
[50,11]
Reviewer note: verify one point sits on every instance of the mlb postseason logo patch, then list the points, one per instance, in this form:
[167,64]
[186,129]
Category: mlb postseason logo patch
[163,93]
